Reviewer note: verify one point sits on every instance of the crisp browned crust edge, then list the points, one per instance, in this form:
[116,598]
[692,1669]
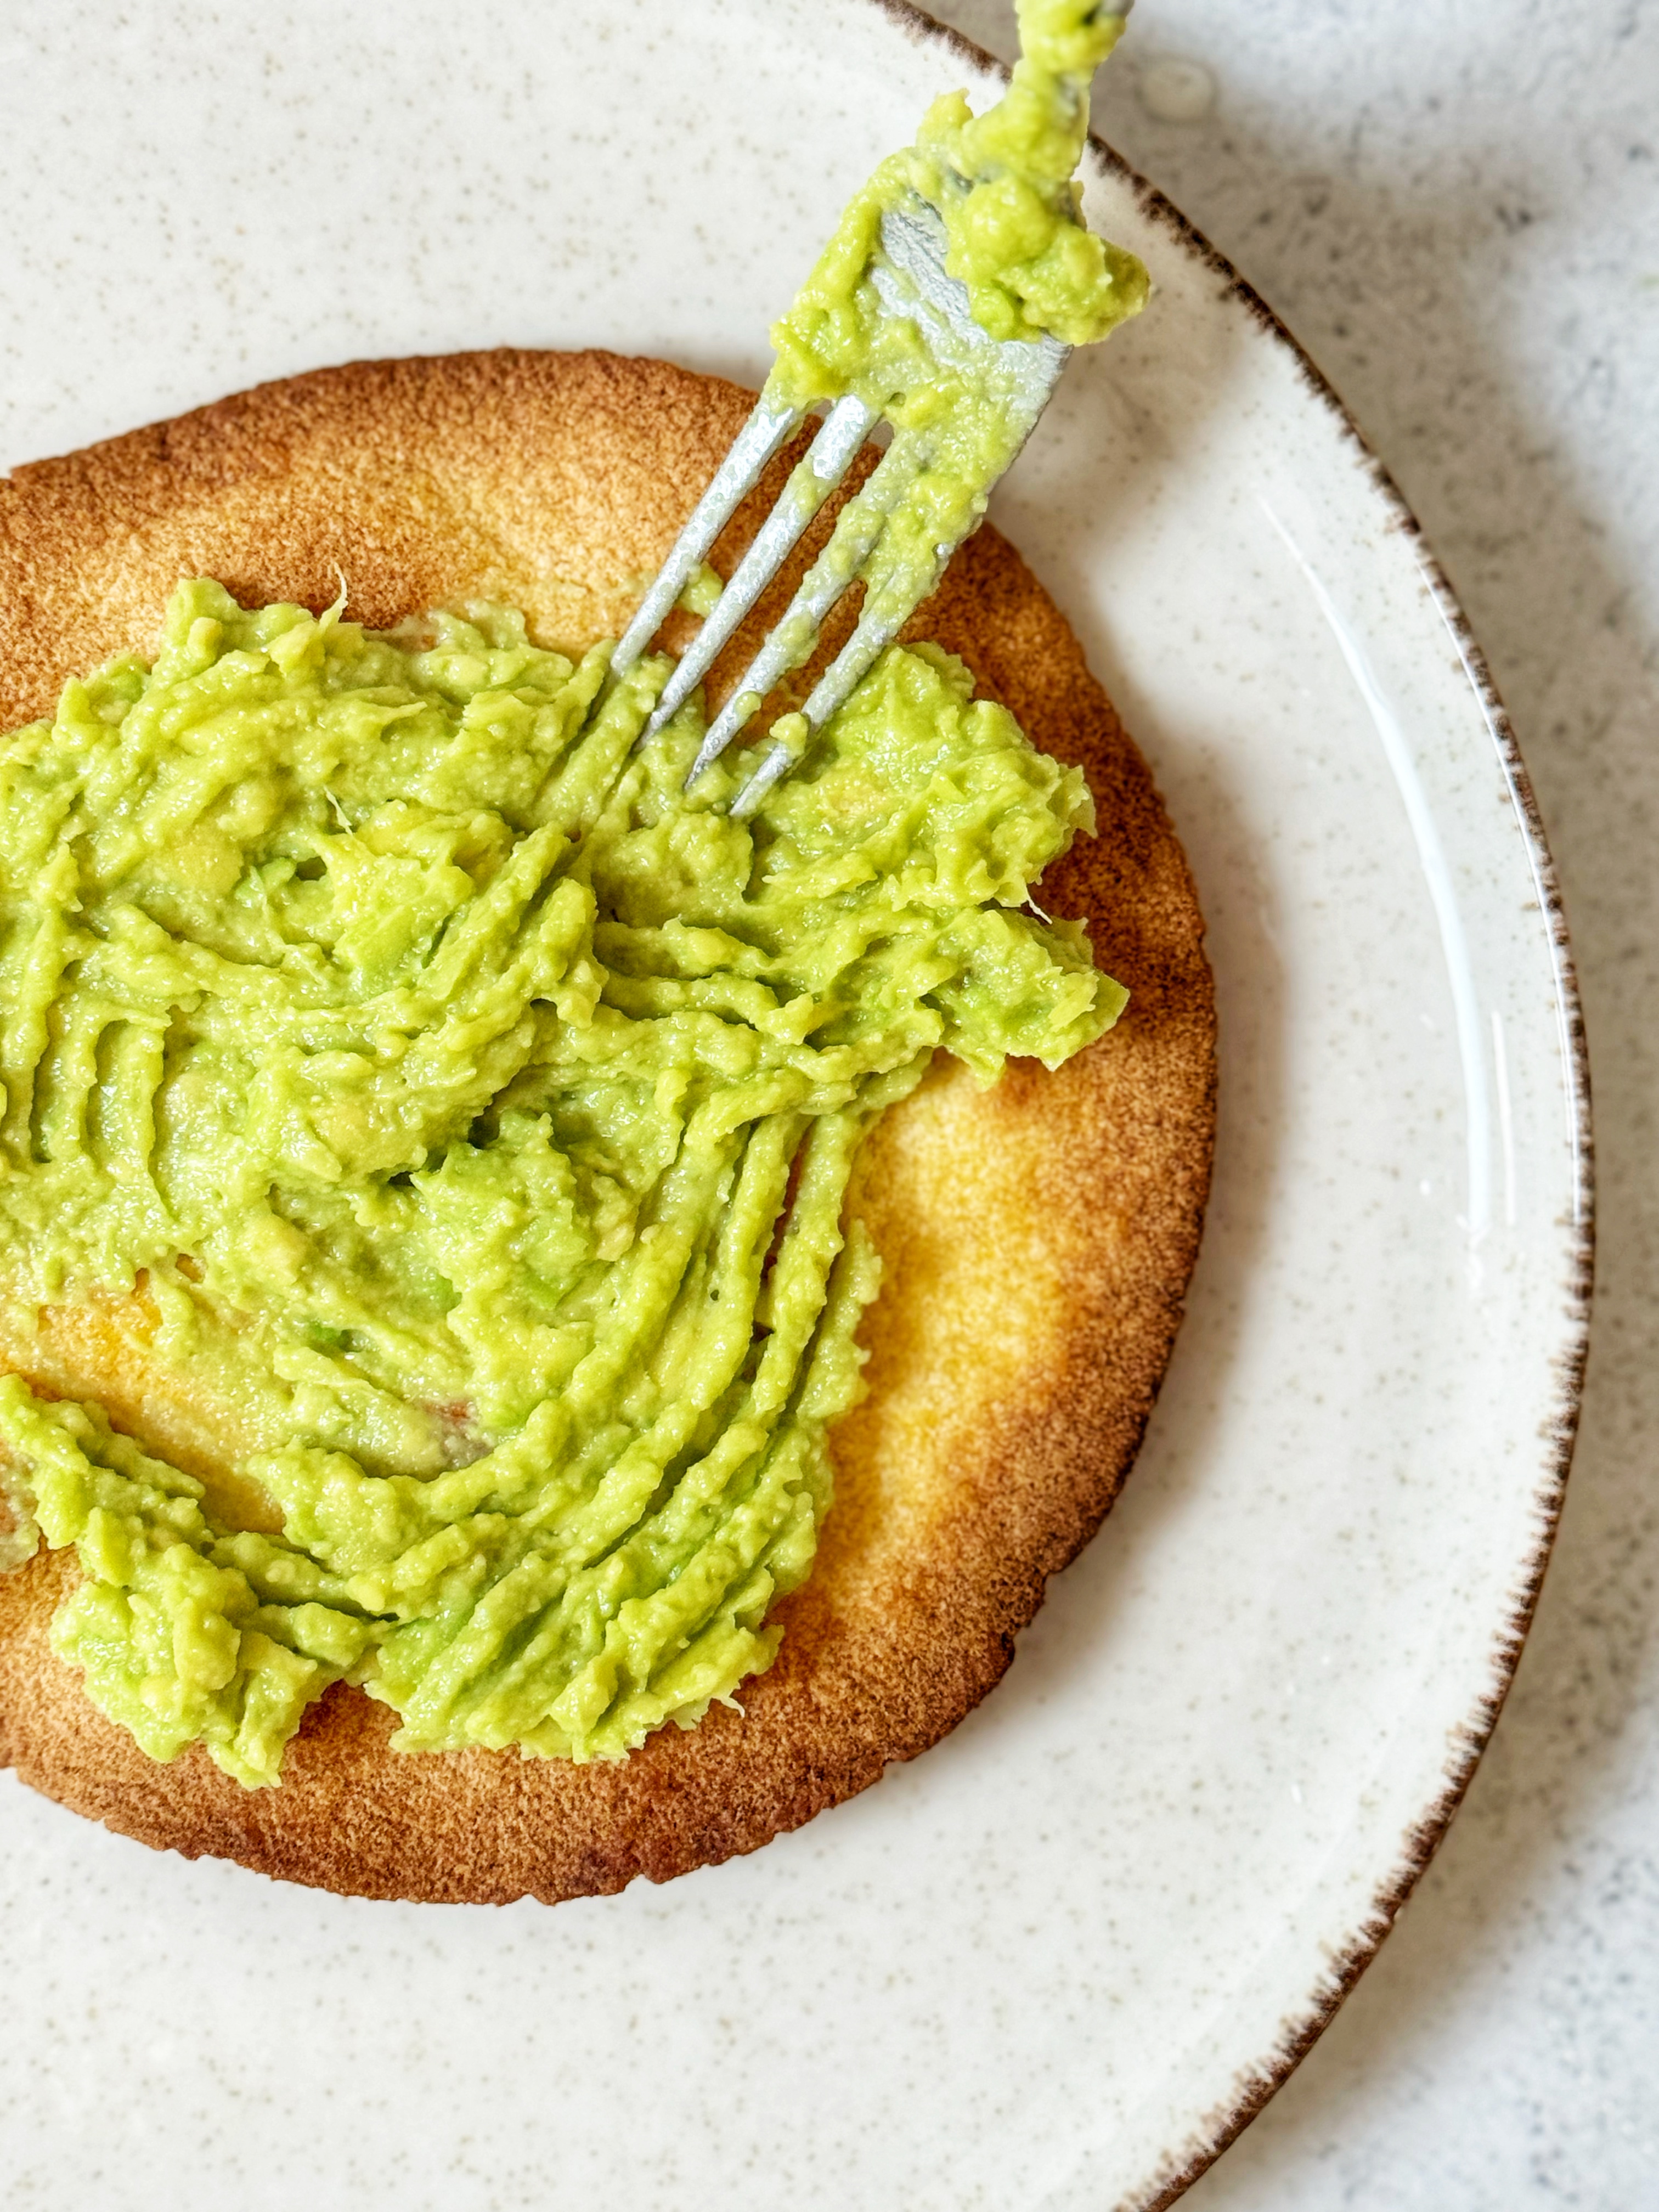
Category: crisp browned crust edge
[558,480]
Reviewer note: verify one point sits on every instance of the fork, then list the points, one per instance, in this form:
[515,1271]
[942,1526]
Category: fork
[874,538]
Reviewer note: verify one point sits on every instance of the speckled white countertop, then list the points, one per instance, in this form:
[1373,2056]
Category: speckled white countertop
[1456,210]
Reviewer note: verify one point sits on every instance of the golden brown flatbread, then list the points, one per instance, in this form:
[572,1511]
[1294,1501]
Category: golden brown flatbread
[1039,1237]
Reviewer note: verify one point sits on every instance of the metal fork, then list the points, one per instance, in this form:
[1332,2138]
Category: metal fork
[1017,375]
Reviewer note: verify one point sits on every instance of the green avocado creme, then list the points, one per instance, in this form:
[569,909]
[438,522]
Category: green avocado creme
[474,1110]
[997,190]
[1003,183]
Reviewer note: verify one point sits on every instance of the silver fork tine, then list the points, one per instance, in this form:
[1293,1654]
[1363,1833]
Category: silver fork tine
[846,426]
[877,629]
[738,474]
[773,769]
[836,569]
[1012,379]
[1025,372]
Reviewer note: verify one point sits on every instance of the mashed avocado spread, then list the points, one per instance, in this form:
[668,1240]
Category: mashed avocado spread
[474,1110]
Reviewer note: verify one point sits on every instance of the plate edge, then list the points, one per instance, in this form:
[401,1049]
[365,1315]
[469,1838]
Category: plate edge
[1257,2086]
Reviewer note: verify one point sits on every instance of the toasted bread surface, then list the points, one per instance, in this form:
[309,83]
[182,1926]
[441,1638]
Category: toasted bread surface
[1038,1236]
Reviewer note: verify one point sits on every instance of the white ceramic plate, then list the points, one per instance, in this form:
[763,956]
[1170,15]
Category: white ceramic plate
[1058,1960]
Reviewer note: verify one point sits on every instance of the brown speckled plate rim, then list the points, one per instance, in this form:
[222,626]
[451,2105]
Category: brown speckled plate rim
[1258,2080]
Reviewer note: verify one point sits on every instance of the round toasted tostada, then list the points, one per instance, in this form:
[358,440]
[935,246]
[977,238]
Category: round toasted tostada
[1037,1238]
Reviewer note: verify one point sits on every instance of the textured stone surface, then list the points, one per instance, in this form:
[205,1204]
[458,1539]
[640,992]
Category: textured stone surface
[1458,215]
[1494,2056]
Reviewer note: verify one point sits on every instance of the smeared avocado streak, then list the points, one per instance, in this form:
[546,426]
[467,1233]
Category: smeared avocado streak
[476,1112]
[438,1072]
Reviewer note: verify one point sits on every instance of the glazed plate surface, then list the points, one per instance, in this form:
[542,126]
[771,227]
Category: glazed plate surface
[1056,1961]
